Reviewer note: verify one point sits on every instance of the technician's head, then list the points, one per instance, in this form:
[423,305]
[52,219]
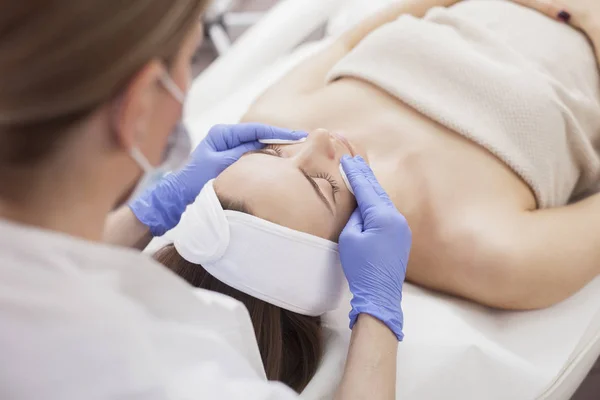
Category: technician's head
[81,84]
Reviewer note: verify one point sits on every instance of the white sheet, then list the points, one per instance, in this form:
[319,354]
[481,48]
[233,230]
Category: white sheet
[454,349]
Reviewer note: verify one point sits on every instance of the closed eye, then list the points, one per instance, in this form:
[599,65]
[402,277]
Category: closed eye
[276,152]
[335,188]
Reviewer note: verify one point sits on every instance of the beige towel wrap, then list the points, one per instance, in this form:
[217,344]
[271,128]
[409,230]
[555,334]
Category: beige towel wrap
[519,84]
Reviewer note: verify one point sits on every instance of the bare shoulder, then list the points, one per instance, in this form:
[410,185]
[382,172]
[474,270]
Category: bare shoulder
[468,254]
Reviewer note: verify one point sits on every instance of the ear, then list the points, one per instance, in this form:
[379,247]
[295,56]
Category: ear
[136,105]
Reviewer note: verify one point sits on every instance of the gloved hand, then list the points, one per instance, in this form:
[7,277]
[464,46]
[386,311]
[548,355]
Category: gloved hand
[374,248]
[160,208]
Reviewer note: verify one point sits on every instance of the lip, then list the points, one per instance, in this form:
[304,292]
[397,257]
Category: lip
[345,142]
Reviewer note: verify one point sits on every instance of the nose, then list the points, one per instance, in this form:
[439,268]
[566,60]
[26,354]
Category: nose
[318,147]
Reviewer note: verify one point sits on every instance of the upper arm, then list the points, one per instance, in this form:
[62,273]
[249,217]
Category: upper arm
[518,260]
[555,252]
[535,259]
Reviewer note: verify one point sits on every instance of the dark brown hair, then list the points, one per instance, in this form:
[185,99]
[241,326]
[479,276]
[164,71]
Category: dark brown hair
[61,60]
[290,344]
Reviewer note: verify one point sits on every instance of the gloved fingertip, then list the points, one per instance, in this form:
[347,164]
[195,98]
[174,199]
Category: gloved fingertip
[348,163]
[363,166]
[292,140]
[286,134]
[273,135]
[299,134]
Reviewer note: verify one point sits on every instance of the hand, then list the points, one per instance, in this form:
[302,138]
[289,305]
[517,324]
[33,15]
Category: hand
[582,14]
[374,248]
[160,208]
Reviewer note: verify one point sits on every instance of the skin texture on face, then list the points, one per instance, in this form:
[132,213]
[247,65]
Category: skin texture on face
[298,185]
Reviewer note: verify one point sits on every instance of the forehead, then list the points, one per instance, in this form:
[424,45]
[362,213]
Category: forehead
[275,189]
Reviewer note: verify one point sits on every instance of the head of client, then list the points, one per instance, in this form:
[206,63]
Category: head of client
[298,186]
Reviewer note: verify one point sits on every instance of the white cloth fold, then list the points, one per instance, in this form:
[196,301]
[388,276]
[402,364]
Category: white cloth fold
[287,268]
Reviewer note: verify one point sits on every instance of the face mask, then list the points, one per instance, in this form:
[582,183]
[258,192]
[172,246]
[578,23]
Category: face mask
[176,152]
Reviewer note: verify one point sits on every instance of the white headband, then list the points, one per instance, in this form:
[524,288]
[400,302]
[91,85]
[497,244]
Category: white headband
[290,269]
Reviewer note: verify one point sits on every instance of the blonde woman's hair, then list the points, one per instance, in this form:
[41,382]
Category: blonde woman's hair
[61,59]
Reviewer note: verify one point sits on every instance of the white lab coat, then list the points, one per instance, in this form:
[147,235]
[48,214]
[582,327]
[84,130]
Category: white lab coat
[81,320]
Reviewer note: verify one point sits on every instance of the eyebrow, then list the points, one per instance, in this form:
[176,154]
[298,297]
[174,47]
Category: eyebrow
[310,180]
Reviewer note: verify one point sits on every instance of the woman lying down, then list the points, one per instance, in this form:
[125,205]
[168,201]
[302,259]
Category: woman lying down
[481,121]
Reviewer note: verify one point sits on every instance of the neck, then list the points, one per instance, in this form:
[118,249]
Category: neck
[66,205]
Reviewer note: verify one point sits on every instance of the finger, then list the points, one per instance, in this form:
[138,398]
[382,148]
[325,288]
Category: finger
[235,135]
[365,194]
[216,137]
[358,167]
[378,188]
[354,225]
[253,132]
[237,152]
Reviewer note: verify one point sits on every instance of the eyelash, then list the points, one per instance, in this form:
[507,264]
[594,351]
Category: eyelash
[321,175]
[328,178]
[275,149]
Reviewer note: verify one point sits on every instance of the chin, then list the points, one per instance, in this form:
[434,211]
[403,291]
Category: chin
[127,195]
[124,198]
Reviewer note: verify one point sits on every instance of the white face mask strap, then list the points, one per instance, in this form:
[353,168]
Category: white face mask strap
[141,160]
[178,94]
[172,88]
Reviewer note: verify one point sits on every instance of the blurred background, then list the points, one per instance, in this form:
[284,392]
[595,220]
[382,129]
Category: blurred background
[228,20]
[251,9]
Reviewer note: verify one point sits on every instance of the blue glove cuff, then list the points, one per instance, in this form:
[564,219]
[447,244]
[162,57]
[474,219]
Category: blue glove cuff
[393,319]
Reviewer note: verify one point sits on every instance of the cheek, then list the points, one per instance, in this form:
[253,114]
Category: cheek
[314,220]
[163,122]
[159,143]
[346,207]
[293,210]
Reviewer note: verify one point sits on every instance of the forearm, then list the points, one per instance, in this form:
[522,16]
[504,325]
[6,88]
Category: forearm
[370,371]
[557,252]
[537,259]
[514,260]
[124,229]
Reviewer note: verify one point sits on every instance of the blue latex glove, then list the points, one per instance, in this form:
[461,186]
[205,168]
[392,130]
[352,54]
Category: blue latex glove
[374,248]
[160,208]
